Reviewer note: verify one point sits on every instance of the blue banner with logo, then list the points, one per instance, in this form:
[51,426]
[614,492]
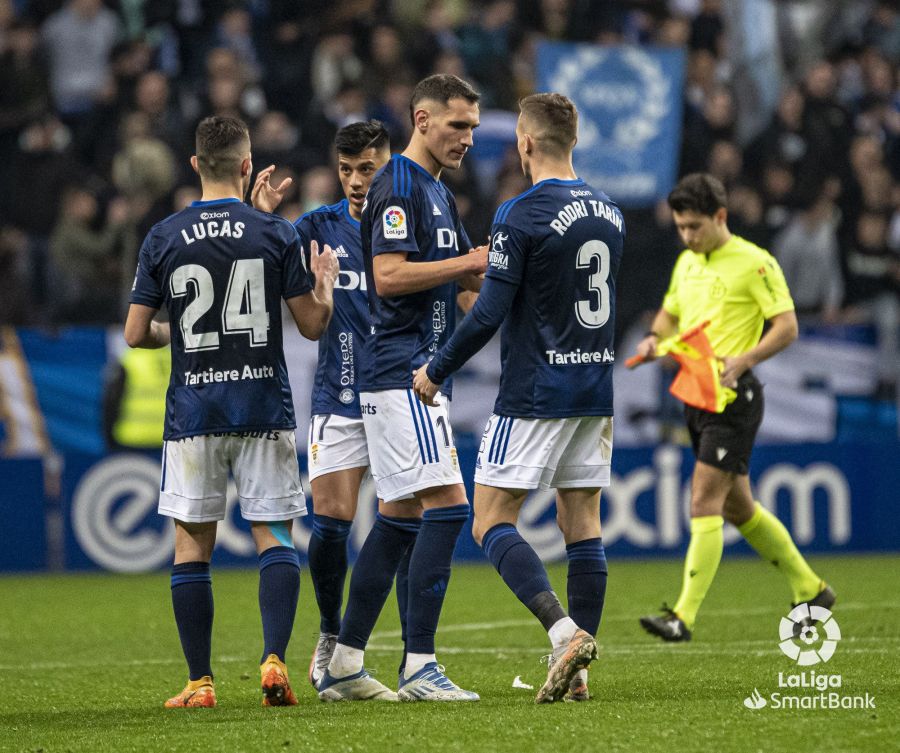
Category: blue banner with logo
[832,498]
[629,103]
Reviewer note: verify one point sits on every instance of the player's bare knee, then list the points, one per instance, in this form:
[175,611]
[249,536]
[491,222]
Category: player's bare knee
[333,507]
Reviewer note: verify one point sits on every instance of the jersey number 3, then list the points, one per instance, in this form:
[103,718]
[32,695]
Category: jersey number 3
[594,313]
[244,310]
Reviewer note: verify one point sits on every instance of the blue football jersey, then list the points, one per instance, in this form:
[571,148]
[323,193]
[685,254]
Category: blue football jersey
[408,211]
[342,348]
[561,243]
[221,268]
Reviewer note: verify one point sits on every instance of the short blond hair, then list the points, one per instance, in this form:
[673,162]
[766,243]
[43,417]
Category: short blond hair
[552,121]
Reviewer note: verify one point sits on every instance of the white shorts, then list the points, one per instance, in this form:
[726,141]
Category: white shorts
[265,470]
[410,444]
[545,453]
[335,443]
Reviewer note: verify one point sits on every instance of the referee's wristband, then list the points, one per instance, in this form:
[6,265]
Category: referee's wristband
[651,333]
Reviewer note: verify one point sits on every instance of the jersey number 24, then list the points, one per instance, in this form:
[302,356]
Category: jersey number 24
[244,310]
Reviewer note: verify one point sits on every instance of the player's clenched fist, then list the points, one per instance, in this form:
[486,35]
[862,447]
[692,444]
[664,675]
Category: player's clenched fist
[424,388]
[324,265]
[478,256]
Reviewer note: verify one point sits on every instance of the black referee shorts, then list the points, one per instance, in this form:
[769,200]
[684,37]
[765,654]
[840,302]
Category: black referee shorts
[725,440]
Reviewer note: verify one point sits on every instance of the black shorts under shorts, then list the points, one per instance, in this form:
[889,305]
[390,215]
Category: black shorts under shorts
[725,440]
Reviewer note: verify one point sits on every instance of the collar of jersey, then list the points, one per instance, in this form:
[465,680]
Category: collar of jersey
[726,246]
[559,182]
[345,206]
[417,166]
[214,202]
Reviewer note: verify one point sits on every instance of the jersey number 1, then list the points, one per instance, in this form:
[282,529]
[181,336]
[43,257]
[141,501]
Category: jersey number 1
[594,314]
[244,309]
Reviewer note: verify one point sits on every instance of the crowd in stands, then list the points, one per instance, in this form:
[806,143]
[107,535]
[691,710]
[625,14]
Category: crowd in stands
[98,104]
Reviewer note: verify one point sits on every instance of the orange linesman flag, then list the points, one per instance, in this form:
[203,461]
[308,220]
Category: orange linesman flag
[697,382]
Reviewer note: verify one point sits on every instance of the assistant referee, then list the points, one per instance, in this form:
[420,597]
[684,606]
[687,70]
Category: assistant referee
[737,286]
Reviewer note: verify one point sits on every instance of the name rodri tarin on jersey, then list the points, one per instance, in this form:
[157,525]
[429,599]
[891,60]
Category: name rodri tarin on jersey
[578,209]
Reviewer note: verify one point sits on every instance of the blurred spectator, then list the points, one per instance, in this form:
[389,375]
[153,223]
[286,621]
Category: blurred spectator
[78,40]
[152,98]
[43,160]
[317,187]
[707,27]
[24,95]
[14,300]
[746,215]
[807,250]
[234,32]
[873,291]
[86,263]
[778,195]
[784,139]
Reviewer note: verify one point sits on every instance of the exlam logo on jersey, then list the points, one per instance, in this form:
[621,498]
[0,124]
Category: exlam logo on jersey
[394,223]
[212,229]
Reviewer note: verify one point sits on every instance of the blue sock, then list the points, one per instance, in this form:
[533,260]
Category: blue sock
[328,568]
[586,585]
[429,574]
[192,602]
[373,575]
[523,571]
[403,598]
[279,587]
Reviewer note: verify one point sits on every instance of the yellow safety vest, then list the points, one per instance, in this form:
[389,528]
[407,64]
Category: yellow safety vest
[143,408]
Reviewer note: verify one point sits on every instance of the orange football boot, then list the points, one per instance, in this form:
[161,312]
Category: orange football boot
[197,694]
[275,686]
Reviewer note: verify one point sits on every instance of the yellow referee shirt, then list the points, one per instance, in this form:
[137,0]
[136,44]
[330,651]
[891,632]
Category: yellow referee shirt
[737,287]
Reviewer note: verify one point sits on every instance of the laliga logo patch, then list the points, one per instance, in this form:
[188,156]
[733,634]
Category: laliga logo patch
[394,223]
[803,624]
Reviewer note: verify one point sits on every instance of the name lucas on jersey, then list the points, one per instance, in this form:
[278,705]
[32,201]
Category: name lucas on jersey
[578,209]
[210,375]
[212,229]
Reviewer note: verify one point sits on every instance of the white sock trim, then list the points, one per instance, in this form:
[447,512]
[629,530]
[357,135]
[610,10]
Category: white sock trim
[415,662]
[345,661]
[562,631]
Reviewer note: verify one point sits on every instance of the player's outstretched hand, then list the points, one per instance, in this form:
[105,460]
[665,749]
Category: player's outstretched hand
[264,196]
[424,388]
[479,258]
[324,266]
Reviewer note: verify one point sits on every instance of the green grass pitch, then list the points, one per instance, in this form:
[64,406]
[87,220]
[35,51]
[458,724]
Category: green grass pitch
[86,662]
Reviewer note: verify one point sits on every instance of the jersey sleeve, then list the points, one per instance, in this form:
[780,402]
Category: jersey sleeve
[393,224]
[306,231]
[295,278]
[670,299]
[769,288]
[507,252]
[146,289]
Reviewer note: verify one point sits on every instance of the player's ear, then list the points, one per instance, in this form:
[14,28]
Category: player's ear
[721,215]
[194,164]
[421,120]
[246,167]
